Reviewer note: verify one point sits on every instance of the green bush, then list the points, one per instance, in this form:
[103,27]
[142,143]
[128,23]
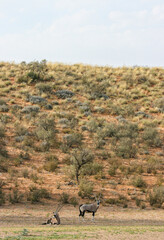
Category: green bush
[46,130]
[3,152]
[127,130]
[92,125]
[139,182]
[23,79]
[138,202]
[74,139]
[15,196]
[85,189]
[25,173]
[156,197]
[121,200]
[110,130]
[112,170]
[142,79]
[73,201]
[64,198]
[20,130]
[154,164]
[35,72]
[44,87]
[51,163]
[91,169]
[111,201]
[2,131]
[34,177]
[35,195]
[125,148]
[51,166]
[160,104]
[2,197]
[152,137]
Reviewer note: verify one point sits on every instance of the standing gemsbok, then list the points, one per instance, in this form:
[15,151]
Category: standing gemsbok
[91,208]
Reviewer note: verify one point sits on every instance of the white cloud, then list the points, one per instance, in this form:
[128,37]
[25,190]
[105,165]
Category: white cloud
[83,33]
[158,12]
[69,23]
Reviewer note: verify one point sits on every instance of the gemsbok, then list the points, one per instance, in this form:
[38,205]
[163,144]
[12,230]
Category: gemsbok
[56,215]
[91,208]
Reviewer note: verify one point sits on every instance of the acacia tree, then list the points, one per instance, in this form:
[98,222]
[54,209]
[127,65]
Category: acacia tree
[81,157]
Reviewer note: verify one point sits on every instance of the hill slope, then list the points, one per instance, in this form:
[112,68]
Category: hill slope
[70,130]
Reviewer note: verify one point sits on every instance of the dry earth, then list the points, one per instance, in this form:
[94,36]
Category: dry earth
[111,223]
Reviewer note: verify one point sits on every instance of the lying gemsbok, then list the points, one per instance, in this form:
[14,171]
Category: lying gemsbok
[91,208]
[55,215]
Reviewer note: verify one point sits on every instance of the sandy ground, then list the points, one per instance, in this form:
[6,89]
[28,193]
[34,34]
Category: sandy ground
[32,216]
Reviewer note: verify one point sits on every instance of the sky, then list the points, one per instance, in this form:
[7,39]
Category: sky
[96,32]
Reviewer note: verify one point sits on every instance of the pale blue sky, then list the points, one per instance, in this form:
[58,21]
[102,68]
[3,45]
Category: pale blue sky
[102,32]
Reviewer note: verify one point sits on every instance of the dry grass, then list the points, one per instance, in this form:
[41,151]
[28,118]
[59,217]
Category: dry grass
[101,95]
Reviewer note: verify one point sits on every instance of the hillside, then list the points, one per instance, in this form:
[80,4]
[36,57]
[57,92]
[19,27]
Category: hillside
[68,131]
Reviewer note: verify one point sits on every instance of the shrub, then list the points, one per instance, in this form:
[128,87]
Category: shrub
[24,156]
[37,71]
[160,104]
[156,197]
[92,125]
[139,182]
[23,79]
[121,200]
[25,173]
[127,130]
[2,131]
[3,152]
[112,170]
[15,196]
[20,130]
[85,189]
[111,201]
[154,164]
[2,197]
[64,198]
[152,137]
[4,108]
[34,177]
[46,130]
[51,164]
[35,194]
[99,142]
[73,201]
[128,78]
[74,139]
[110,130]
[138,202]
[125,148]
[44,87]
[5,118]
[91,169]
[142,79]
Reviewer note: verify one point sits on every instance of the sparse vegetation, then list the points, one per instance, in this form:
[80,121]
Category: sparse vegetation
[88,125]
[35,195]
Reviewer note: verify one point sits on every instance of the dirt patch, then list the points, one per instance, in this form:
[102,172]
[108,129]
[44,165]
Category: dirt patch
[35,215]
